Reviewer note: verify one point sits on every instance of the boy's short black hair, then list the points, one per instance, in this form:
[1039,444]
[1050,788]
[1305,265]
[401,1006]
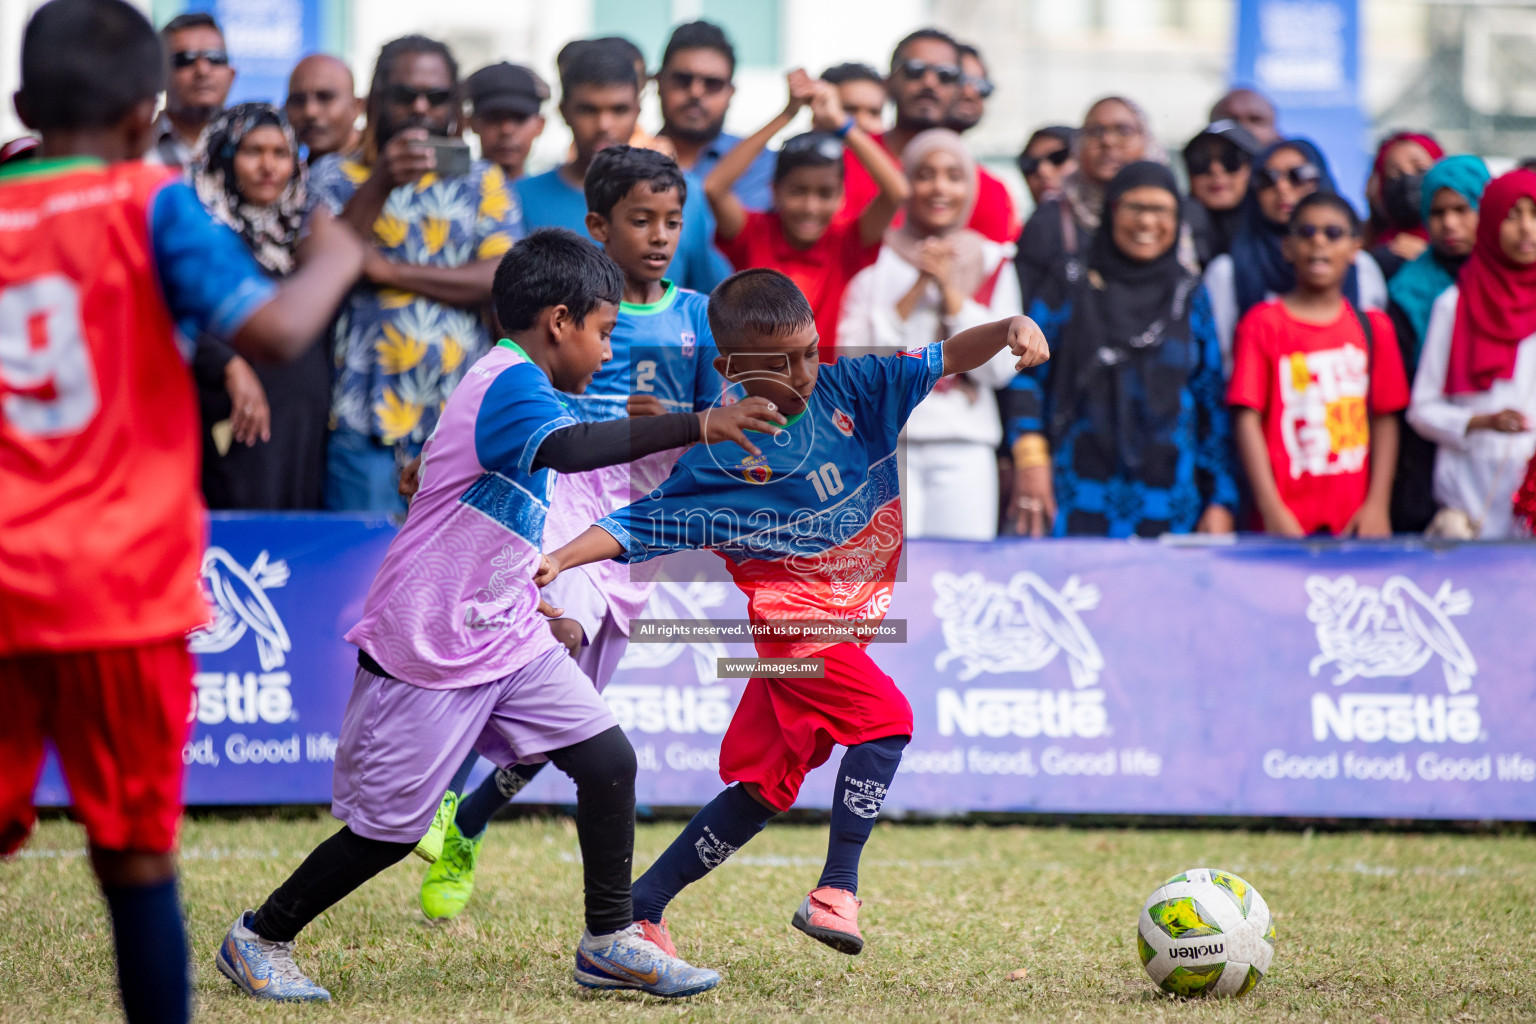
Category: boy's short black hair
[1332,201]
[87,63]
[967,50]
[759,300]
[700,35]
[852,71]
[192,19]
[630,52]
[597,62]
[618,169]
[812,149]
[938,35]
[553,267]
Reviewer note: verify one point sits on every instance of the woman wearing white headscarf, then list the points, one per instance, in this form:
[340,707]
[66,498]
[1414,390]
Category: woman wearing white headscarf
[933,278]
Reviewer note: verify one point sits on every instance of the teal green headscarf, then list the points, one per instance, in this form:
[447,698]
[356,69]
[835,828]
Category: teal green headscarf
[1418,284]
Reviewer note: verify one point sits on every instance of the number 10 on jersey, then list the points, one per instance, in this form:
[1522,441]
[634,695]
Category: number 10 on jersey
[827,481]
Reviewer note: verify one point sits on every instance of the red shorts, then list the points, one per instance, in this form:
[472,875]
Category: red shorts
[783,728]
[119,719]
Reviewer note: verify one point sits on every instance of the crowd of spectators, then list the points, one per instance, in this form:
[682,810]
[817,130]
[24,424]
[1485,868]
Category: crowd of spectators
[1249,353]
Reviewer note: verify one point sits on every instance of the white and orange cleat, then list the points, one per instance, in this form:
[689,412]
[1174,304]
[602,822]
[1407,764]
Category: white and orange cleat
[831,916]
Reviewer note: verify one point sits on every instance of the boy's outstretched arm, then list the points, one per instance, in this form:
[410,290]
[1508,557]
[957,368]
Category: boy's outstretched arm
[585,446]
[828,115]
[730,215]
[595,544]
[304,301]
[975,345]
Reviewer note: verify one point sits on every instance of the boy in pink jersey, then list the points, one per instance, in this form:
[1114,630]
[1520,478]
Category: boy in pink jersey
[452,651]
[663,361]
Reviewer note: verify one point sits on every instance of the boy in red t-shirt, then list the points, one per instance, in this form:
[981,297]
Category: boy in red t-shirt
[798,237]
[1306,364]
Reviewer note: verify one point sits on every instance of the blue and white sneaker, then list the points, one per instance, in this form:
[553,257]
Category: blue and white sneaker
[264,969]
[627,959]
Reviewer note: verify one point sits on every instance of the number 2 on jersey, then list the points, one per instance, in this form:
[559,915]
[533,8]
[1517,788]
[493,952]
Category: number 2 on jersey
[645,375]
[47,380]
[827,481]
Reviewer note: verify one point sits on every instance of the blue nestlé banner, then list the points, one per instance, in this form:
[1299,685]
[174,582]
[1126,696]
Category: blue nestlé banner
[1259,678]
[273,673]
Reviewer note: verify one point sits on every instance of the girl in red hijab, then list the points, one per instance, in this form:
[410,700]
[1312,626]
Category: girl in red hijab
[1475,392]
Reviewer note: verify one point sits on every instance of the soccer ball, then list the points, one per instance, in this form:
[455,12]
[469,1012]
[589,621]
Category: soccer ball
[1206,932]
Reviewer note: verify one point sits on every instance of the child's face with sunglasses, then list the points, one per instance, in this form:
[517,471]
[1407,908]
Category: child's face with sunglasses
[1218,174]
[1321,245]
[1044,165]
[1286,178]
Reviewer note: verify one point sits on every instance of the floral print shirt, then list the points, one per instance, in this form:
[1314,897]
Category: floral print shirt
[399,355]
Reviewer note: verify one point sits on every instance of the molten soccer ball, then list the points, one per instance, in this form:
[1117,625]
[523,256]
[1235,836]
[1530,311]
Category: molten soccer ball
[1206,932]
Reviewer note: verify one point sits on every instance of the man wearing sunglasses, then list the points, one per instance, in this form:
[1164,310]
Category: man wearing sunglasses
[924,85]
[413,325]
[196,87]
[975,87]
[695,88]
[1219,161]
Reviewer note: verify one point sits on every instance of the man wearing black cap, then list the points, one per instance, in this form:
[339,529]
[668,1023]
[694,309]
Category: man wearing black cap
[504,102]
[1219,160]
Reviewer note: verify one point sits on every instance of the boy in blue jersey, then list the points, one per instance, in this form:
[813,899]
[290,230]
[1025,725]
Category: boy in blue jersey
[452,653]
[811,533]
[663,362]
[600,102]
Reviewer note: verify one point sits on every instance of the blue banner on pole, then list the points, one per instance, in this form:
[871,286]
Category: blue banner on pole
[1261,678]
[266,38]
[1305,56]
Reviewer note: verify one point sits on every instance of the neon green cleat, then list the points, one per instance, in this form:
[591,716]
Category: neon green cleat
[451,878]
[430,846]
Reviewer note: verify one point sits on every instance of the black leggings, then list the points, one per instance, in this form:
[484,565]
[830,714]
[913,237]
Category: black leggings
[603,769]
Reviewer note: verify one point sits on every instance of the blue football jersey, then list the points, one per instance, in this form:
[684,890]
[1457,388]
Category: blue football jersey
[811,529]
[664,349]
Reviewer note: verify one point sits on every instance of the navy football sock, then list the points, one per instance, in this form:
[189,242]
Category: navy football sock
[477,809]
[461,777]
[151,945]
[720,828]
[863,777]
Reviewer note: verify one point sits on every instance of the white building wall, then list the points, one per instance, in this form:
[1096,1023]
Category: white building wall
[1049,58]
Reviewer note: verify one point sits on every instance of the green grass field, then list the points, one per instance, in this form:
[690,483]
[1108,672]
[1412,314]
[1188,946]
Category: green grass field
[1373,927]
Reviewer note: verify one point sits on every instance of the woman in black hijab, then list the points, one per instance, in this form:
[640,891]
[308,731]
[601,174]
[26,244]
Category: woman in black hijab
[1130,435]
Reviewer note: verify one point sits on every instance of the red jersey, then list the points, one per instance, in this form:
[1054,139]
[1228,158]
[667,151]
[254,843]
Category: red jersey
[1311,384]
[101,527]
[822,271]
[994,214]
